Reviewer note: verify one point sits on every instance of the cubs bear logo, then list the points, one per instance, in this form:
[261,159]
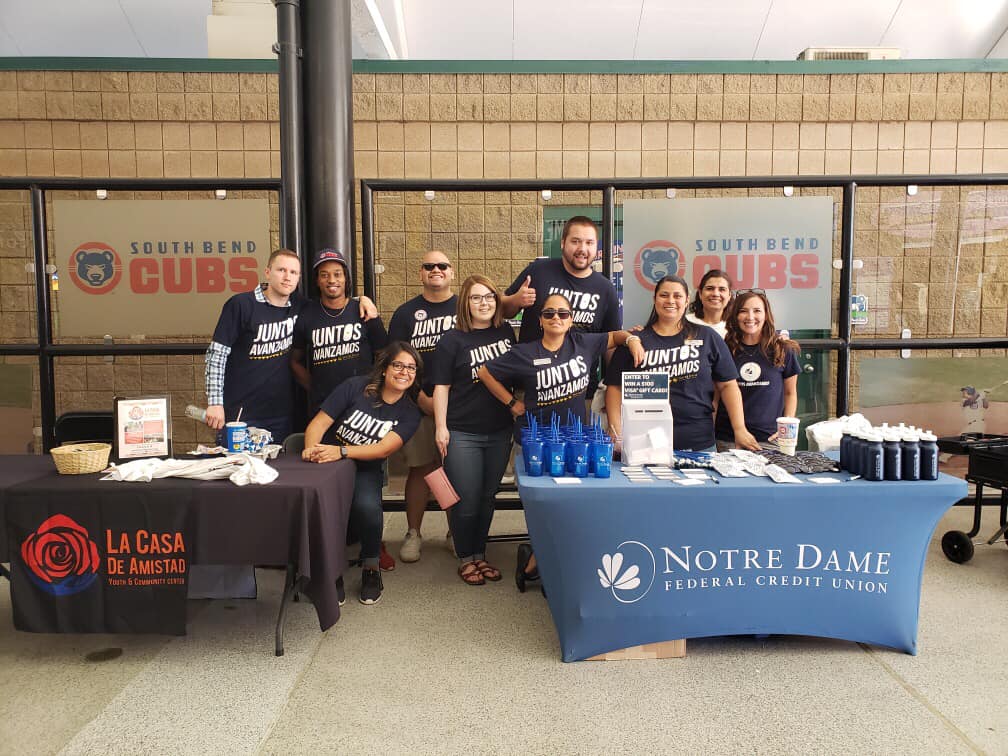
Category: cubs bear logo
[95,267]
[655,260]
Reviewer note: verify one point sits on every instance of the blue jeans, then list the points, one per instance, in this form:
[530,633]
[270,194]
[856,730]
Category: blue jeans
[474,465]
[366,512]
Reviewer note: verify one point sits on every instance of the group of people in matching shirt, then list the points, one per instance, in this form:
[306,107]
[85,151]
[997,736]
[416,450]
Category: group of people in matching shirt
[449,384]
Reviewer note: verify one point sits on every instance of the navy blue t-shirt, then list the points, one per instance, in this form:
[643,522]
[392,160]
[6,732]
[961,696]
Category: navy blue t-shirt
[593,298]
[694,358]
[554,382]
[457,359]
[257,378]
[337,345]
[422,323]
[762,386]
[359,419]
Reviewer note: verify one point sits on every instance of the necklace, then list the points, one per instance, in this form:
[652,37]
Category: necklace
[338,314]
[750,350]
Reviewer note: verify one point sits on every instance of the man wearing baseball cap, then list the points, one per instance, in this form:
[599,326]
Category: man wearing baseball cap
[334,339]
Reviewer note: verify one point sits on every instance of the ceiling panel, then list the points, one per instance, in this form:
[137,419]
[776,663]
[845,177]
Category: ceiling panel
[586,30]
[698,31]
[457,29]
[790,28]
[170,30]
[95,28]
[948,28]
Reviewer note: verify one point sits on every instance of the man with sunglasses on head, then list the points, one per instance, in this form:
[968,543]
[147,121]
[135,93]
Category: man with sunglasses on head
[421,322]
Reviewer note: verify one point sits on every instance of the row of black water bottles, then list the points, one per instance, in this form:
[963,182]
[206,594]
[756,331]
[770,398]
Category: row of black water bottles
[890,453]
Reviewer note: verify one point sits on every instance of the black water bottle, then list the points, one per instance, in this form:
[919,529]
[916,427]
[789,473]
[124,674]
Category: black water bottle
[928,456]
[911,456]
[872,458]
[892,457]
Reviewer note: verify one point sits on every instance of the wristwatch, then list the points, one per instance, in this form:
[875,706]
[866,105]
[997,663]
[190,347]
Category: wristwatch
[513,402]
[343,452]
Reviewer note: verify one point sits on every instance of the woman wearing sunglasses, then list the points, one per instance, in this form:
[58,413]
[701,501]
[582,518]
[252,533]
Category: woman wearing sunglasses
[698,363]
[471,428]
[366,419]
[767,365]
[554,373]
[710,304]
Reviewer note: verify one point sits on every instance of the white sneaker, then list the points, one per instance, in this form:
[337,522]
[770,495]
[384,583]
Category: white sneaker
[410,551]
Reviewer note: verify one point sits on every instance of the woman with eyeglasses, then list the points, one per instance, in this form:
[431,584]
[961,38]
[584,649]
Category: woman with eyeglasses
[366,419]
[767,365]
[710,303]
[471,428]
[698,363]
[554,373]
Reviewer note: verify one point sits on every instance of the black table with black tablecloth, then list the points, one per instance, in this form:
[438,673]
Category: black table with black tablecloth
[298,521]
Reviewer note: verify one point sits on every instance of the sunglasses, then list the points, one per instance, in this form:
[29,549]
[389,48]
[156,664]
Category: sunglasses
[740,292]
[401,367]
[442,266]
[551,313]
[477,298]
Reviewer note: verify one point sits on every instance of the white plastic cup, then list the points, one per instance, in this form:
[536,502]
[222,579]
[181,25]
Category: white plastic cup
[787,434]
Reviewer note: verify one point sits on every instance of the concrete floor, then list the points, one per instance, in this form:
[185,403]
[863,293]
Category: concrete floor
[440,667]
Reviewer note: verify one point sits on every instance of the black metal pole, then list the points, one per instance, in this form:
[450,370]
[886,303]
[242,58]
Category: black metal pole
[328,126]
[288,50]
[47,381]
[608,229]
[844,303]
[368,241]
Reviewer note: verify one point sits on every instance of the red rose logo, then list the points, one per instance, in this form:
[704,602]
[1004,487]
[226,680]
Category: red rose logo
[61,556]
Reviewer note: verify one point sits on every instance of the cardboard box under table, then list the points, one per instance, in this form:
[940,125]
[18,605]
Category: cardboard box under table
[628,564]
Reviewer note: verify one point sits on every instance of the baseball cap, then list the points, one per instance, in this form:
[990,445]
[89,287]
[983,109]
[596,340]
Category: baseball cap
[332,255]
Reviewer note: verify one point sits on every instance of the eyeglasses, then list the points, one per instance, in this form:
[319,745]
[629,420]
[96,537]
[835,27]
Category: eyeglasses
[442,266]
[740,292]
[477,298]
[551,313]
[402,367]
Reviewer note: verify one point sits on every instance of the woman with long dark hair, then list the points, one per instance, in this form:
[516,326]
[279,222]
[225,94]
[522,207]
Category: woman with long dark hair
[471,428]
[710,303]
[698,363]
[366,419]
[767,364]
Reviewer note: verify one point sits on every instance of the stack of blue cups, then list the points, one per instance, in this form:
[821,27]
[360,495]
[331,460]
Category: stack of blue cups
[566,450]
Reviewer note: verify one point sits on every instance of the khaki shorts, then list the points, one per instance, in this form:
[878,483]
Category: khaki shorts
[421,450]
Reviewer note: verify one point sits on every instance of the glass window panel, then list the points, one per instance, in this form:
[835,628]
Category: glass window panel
[17,282]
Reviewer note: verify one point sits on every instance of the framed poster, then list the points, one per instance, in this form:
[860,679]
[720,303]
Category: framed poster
[142,427]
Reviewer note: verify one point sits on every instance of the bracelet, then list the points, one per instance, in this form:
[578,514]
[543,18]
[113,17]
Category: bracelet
[631,336]
[513,402]
[343,452]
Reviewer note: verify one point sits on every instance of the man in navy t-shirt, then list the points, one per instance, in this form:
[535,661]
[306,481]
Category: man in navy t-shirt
[248,362]
[333,338]
[421,322]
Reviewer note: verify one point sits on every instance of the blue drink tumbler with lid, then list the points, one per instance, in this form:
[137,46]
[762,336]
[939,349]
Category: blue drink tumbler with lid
[602,454]
[577,453]
[532,453]
[554,451]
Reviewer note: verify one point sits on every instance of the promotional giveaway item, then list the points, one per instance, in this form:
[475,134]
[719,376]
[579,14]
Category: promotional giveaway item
[787,434]
[566,450]
[647,419]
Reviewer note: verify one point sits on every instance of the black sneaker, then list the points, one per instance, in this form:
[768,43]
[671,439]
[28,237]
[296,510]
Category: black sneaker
[340,591]
[371,587]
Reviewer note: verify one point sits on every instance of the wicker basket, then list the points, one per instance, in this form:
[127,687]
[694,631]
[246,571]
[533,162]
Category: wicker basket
[77,459]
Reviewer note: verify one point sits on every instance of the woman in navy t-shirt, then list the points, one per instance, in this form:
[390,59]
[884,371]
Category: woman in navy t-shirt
[767,365]
[554,373]
[366,419]
[696,360]
[471,428]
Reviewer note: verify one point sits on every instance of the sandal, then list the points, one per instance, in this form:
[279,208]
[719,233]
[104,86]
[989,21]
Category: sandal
[470,574]
[524,557]
[488,571]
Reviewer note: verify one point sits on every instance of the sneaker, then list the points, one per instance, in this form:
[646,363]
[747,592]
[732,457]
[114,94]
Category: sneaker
[385,561]
[410,551]
[340,591]
[371,587]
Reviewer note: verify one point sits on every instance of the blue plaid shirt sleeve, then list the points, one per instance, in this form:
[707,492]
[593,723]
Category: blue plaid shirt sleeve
[216,362]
